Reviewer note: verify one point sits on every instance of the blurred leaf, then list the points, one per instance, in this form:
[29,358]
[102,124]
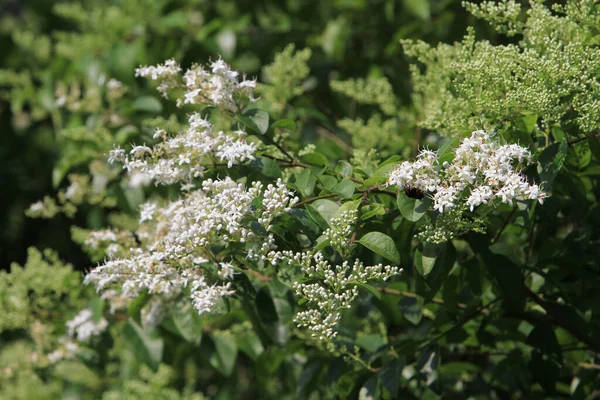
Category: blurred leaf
[381,244]
[260,120]
[551,161]
[223,359]
[412,209]
[147,346]
[418,8]
[148,104]
[287,124]
[411,309]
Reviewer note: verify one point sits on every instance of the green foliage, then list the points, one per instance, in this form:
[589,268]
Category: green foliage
[551,74]
[35,289]
[499,301]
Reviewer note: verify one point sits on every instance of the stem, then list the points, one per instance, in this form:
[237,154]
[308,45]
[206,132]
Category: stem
[504,225]
[479,310]
[414,295]
[310,200]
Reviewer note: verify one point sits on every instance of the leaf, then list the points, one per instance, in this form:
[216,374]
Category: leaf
[381,244]
[411,309]
[148,104]
[135,306]
[77,373]
[147,346]
[430,253]
[551,161]
[544,338]
[371,289]
[546,372]
[345,188]
[379,176]
[223,359]
[347,206]
[328,181]
[315,159]
[287,124]
[305,182]
[418,8]
[266,167]
[260,119]
[344,168]
[371,210]
[371,342]
[326,208]
[412,209]
[316,216]
[370,390]
[508,276]
[186,320]
[529,122]
[391,375]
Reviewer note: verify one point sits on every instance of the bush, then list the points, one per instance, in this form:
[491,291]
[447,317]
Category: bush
[250,243]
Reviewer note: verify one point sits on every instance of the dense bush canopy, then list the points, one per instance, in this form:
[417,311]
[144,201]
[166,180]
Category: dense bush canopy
[348,199]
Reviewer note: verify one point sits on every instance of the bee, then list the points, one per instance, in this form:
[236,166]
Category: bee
[413,192]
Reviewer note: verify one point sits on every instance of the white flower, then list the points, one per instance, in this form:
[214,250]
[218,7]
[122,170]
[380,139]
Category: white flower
[480,167]
[83,327]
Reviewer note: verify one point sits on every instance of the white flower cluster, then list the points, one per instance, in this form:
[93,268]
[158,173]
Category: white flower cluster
[178,237]
[331,288]
[482,170]
[219,87]
[166,73]
[340,230]
[183,157]
[82,328]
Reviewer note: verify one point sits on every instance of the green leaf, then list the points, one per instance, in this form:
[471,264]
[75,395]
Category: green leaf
[551,161]
[315,159]
[379,176]
[411,309]
[508,276]
[266,167]
[418,8]
[544,338]
[430,253]
[391,375]
[316,216]
[148,104]
[347,206]
[370,390]
[371,342]
[326,208]
[344,168]
[305,182]
[345,188]
[529,122]
[76,373]
[381,244]
[287,124]
[371,210]
[412,209]
[186,320]
[260,119]
[328,181]
[147,346]
[223,359]
[371,289]
[135,306]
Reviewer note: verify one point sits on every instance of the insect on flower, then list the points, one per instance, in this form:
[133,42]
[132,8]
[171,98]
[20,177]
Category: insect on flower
[413,192]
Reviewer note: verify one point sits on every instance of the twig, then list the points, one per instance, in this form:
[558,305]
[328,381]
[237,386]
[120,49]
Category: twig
[310,200]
